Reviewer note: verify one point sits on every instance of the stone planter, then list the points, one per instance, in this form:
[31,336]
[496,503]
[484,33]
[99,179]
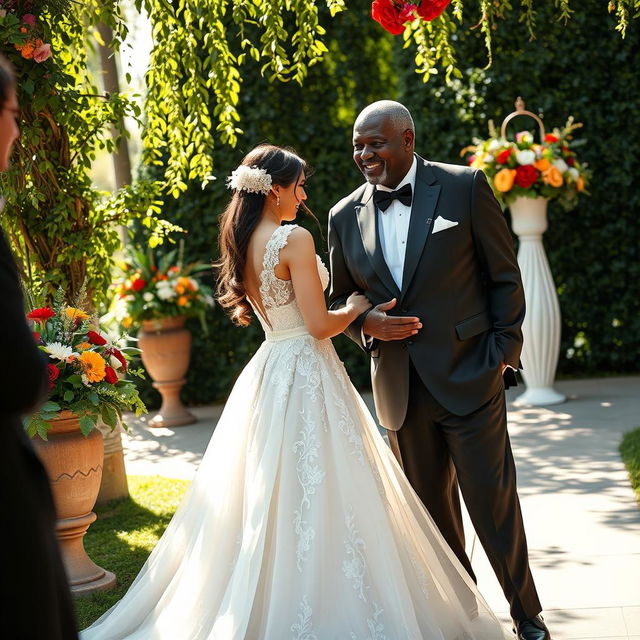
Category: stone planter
[541,327]
[166,349]
[74,466]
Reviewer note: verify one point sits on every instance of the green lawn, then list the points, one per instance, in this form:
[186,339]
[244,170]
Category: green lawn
[124,535]
[630,451]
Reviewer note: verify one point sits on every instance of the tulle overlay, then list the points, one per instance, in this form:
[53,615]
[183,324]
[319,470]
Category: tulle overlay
[299,524]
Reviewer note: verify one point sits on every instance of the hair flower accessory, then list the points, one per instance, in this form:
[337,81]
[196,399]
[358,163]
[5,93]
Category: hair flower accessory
[251,179]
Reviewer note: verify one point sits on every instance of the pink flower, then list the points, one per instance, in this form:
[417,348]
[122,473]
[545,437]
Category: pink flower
[42,53]
[29,18]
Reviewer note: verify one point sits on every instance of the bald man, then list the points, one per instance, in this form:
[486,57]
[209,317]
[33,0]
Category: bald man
[427,243]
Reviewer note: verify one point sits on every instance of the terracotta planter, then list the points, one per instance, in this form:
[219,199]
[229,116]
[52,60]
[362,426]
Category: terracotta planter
[166,349]
[74,466]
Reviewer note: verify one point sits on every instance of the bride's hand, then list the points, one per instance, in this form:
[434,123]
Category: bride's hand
[358,302]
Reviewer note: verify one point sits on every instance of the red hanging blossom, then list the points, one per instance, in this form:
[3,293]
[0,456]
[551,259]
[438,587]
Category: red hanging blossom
[388,15]
[431,9]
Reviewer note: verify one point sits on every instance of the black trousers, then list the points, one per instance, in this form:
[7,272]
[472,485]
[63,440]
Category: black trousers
[440,451]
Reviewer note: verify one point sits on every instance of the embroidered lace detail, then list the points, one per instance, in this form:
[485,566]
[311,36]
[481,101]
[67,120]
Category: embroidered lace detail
[355,564]
[303,629]
[275,292]
[376,629]
[309,475]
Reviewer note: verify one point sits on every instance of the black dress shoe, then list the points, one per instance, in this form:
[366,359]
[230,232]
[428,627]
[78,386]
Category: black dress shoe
[532,629]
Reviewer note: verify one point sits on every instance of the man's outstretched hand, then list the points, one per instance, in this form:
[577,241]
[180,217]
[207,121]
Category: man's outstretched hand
[379,325]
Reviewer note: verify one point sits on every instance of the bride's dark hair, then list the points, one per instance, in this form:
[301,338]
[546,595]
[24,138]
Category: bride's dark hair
[239,221]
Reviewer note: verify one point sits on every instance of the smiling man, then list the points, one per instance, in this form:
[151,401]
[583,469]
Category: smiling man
[427,243]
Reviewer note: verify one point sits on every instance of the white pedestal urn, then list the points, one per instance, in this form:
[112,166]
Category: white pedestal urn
[541,328]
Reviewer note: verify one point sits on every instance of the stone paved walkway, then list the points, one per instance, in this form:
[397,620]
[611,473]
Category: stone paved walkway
[581,517]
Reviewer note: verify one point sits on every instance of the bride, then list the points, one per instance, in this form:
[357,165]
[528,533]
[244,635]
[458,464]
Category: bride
[299,523]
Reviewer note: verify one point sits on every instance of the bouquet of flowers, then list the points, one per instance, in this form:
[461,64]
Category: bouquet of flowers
[549,169]
[393,15]
[87,369]
[150,289]
[22,28]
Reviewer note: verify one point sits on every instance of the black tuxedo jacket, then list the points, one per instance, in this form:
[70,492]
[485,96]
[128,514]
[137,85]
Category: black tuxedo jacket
[462,282]
[34,595]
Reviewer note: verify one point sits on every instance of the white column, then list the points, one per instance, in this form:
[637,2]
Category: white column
[541,327]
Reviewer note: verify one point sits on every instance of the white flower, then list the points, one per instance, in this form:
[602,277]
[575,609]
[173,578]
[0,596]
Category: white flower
[524,136]
[525,156]
[59,351]
[85,380]
[115,363]
[165,290]
[148,296]
[494,145]
[488,158]
[574,174]
[249,179]
[560,165]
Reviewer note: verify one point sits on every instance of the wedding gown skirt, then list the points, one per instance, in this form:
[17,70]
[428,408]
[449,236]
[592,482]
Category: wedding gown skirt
[299,525]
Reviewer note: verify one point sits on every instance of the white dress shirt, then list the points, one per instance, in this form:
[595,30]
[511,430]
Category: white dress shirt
[393,226]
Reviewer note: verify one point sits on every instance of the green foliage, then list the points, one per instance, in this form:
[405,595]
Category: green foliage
[630,452]
[581,69]
[124,535]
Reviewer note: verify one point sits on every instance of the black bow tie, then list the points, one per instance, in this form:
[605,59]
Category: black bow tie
[383,199]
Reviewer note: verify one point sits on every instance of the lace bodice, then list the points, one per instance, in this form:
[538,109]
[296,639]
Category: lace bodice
[277,296]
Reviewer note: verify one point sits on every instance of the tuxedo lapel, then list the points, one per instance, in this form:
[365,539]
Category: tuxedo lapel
[423,209]
[368,223]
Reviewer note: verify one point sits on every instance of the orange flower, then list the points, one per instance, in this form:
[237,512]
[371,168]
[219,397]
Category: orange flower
[93,366]
[180,289]
[76,314]
[83,346]
[504,180]
[580,184]
[183,301]
[542,165]
[553,177]
[127,322]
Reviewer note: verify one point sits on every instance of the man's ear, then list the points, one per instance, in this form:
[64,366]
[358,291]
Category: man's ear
[409,139]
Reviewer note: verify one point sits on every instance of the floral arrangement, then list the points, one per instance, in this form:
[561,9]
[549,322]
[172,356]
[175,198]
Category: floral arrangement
[87,369]
[27,34]
[549,169]
[394,15]
[150,289]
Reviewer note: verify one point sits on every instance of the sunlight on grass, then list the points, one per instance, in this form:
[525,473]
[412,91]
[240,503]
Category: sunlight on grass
[630,451]
[124,535]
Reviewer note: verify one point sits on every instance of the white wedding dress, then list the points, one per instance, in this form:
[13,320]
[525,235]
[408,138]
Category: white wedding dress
[299,524]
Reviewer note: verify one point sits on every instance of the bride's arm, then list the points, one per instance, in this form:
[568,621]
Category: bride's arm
[299,256]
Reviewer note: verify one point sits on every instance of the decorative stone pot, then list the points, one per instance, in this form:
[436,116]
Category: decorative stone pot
[541,327]
[74,466]
[166,349]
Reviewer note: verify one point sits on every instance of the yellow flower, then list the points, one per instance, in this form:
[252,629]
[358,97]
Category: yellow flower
[580,184]
[553,177]
[478,161]
[83,346]
[127,322]
[76,314]
[93,366]
[542,165]
[183,301]
[504,179]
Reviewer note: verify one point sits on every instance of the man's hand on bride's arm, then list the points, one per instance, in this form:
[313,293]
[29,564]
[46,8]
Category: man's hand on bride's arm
[379,325]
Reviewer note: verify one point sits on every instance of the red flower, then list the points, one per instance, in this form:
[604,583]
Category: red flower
[42,314]
[95,338]
[36,336]
[503,156]
[54,372]
[138,284]
[571,161]
[526,175]
[430,9]
[408,12]
[388,15]
[118,356]
[110,375]
[551,138]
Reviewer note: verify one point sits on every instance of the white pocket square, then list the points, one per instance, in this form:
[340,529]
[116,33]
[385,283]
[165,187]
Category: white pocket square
[441,224]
